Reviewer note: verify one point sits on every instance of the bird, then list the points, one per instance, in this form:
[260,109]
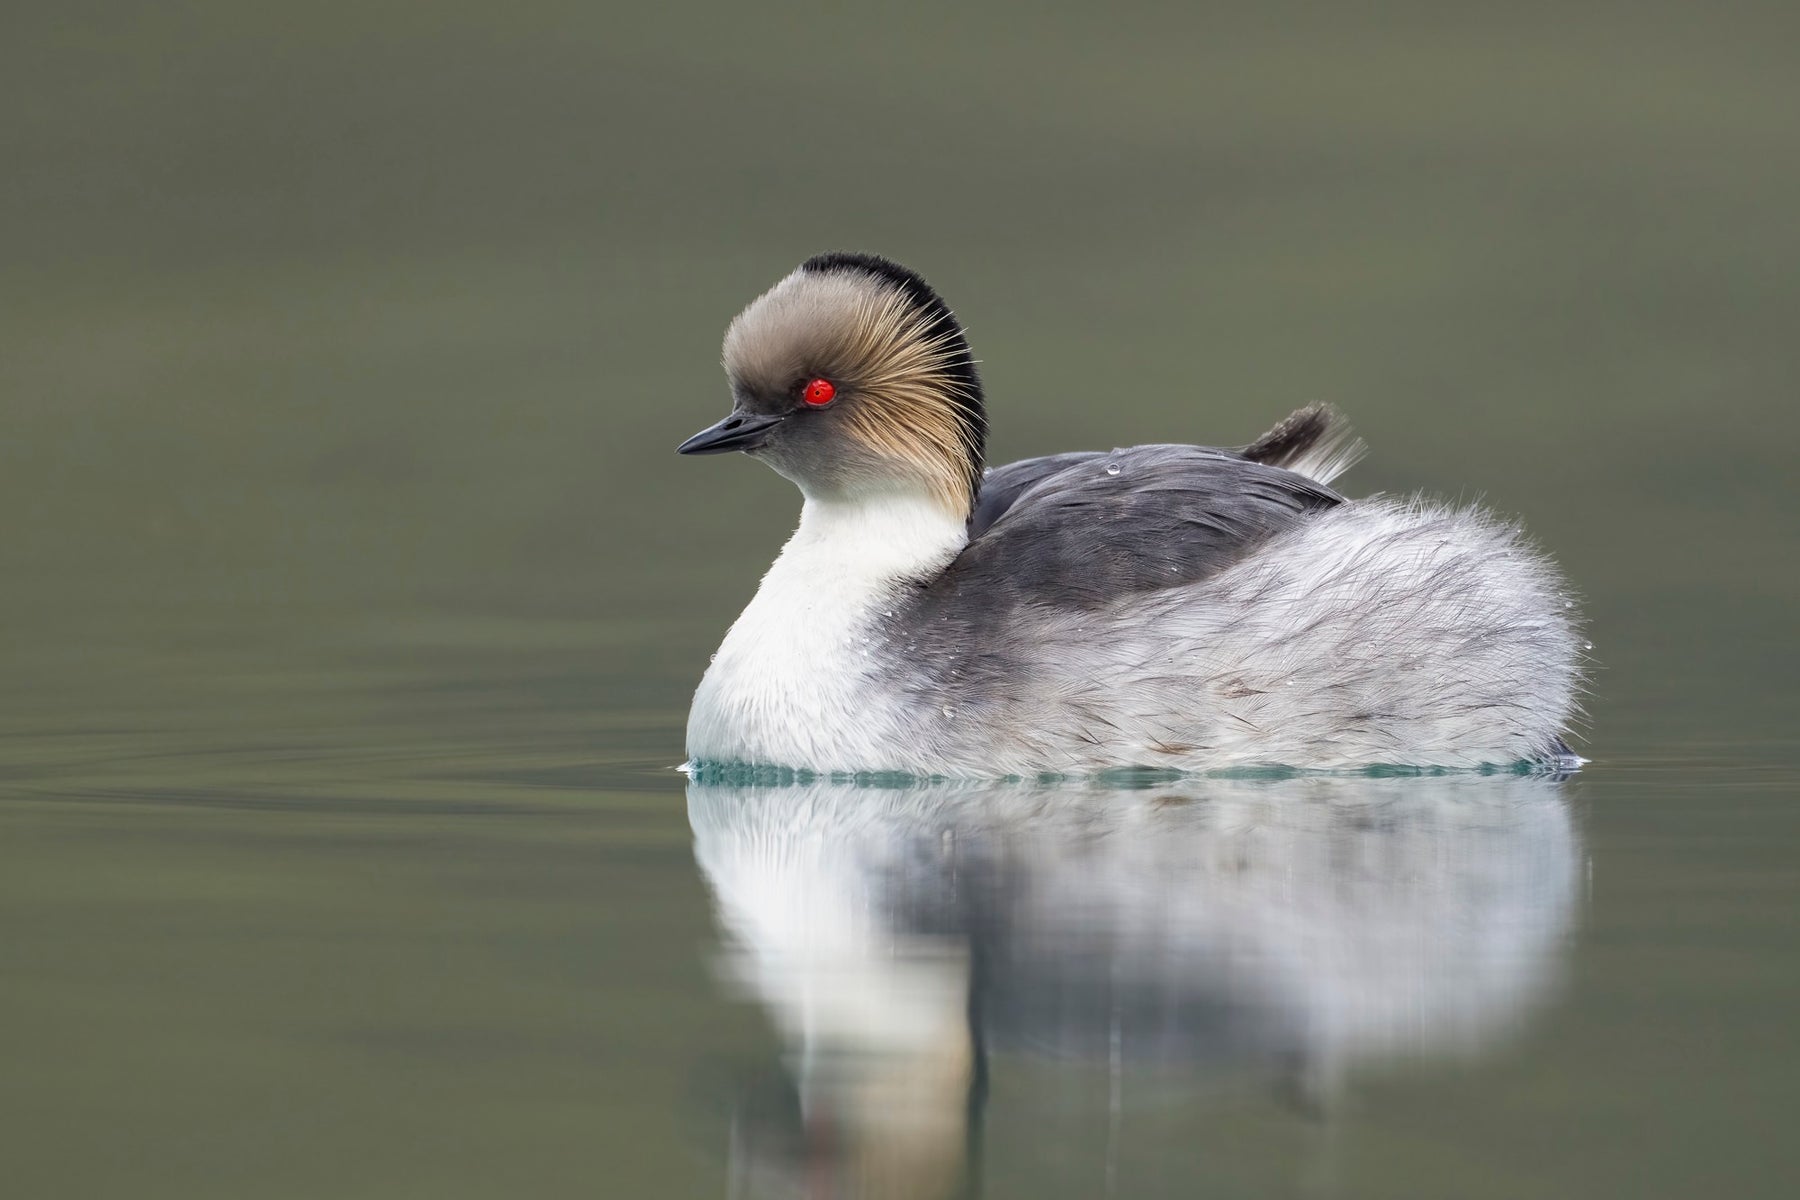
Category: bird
[1163,607]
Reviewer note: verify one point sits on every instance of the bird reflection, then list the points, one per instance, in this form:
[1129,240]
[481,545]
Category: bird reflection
[905,940]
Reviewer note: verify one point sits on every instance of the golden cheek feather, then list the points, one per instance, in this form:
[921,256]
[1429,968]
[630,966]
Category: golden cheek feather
[909,402]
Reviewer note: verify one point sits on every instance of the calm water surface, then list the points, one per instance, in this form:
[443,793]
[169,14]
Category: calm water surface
[417,919]
[350,602]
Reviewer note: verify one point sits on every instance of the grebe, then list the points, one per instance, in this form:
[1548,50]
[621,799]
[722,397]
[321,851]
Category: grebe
[1162,606]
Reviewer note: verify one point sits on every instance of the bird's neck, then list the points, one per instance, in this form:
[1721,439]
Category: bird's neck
[875,540]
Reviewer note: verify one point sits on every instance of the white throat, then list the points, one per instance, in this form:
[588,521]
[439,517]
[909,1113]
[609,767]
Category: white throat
[880,538]
[786,687]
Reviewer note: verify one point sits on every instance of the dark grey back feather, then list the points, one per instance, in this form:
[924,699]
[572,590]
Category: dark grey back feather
[1306,431]
[1001,486]
[1298,432]
[1080,530]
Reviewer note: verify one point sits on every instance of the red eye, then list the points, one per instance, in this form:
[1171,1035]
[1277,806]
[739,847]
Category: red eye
[819,393]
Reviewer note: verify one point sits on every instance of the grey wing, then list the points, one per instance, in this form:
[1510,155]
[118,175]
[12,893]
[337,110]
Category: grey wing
[1002,486]
[1314,442]
[1080,530]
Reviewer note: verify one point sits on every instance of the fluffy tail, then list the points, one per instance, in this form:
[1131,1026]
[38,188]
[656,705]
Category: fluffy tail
[1314,441]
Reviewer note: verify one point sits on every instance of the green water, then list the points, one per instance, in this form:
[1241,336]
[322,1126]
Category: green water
[350,600]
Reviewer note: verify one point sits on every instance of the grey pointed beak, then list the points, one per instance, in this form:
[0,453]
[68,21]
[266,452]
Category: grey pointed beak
[739,431]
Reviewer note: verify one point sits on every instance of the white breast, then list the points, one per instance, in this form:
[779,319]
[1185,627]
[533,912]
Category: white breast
[791,681]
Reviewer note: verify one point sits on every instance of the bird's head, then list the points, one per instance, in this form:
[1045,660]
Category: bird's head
[851,377]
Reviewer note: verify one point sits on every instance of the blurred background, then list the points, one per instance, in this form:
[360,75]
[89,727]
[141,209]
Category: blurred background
[351,594]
